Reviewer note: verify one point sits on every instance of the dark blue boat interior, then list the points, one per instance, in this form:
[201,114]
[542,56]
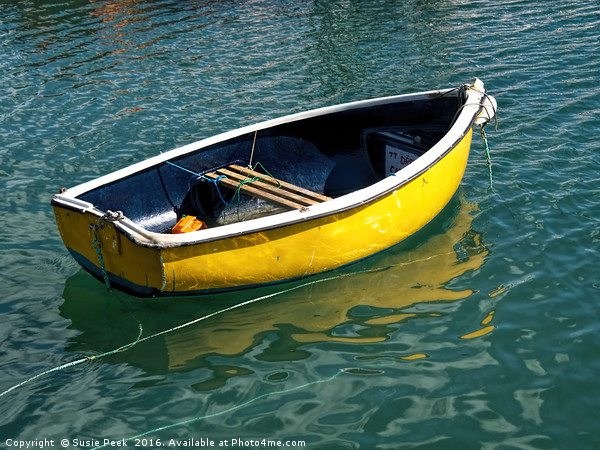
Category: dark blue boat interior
[333,155]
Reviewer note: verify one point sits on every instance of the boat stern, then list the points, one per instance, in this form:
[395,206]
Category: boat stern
[102,250]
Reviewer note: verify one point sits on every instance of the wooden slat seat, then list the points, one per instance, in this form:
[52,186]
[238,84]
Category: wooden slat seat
[263,186]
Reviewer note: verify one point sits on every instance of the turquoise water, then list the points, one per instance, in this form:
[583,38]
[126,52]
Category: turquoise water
[481,331]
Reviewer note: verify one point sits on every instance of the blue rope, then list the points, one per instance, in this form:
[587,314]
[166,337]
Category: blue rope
[215,181]
[183,168]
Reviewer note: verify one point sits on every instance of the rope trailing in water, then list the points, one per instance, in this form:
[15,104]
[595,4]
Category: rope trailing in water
[74,363]
[97,245]
[487,154]
[160,333]
[139,339]
[233,408]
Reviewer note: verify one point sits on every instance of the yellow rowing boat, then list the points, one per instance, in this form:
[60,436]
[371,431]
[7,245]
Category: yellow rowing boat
[275,201]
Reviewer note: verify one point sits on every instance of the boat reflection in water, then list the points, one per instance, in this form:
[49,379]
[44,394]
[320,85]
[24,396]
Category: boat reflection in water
[357,304]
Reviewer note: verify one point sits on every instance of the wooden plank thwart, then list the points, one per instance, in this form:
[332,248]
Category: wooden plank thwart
[263,186]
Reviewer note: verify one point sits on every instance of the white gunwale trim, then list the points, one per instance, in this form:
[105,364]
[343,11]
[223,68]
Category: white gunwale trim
[472,110]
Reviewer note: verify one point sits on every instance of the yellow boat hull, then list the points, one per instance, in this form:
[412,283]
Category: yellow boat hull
[356,179]
[272,255]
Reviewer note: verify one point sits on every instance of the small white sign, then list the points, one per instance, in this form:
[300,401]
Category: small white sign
[397,159]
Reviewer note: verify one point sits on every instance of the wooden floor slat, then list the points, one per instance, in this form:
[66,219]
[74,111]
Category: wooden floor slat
[263,186]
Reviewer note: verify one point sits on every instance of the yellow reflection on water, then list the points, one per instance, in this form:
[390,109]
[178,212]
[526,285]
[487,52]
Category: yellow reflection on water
[415,356]
[478,333]
[355,305]
[399,279]
[483,331]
